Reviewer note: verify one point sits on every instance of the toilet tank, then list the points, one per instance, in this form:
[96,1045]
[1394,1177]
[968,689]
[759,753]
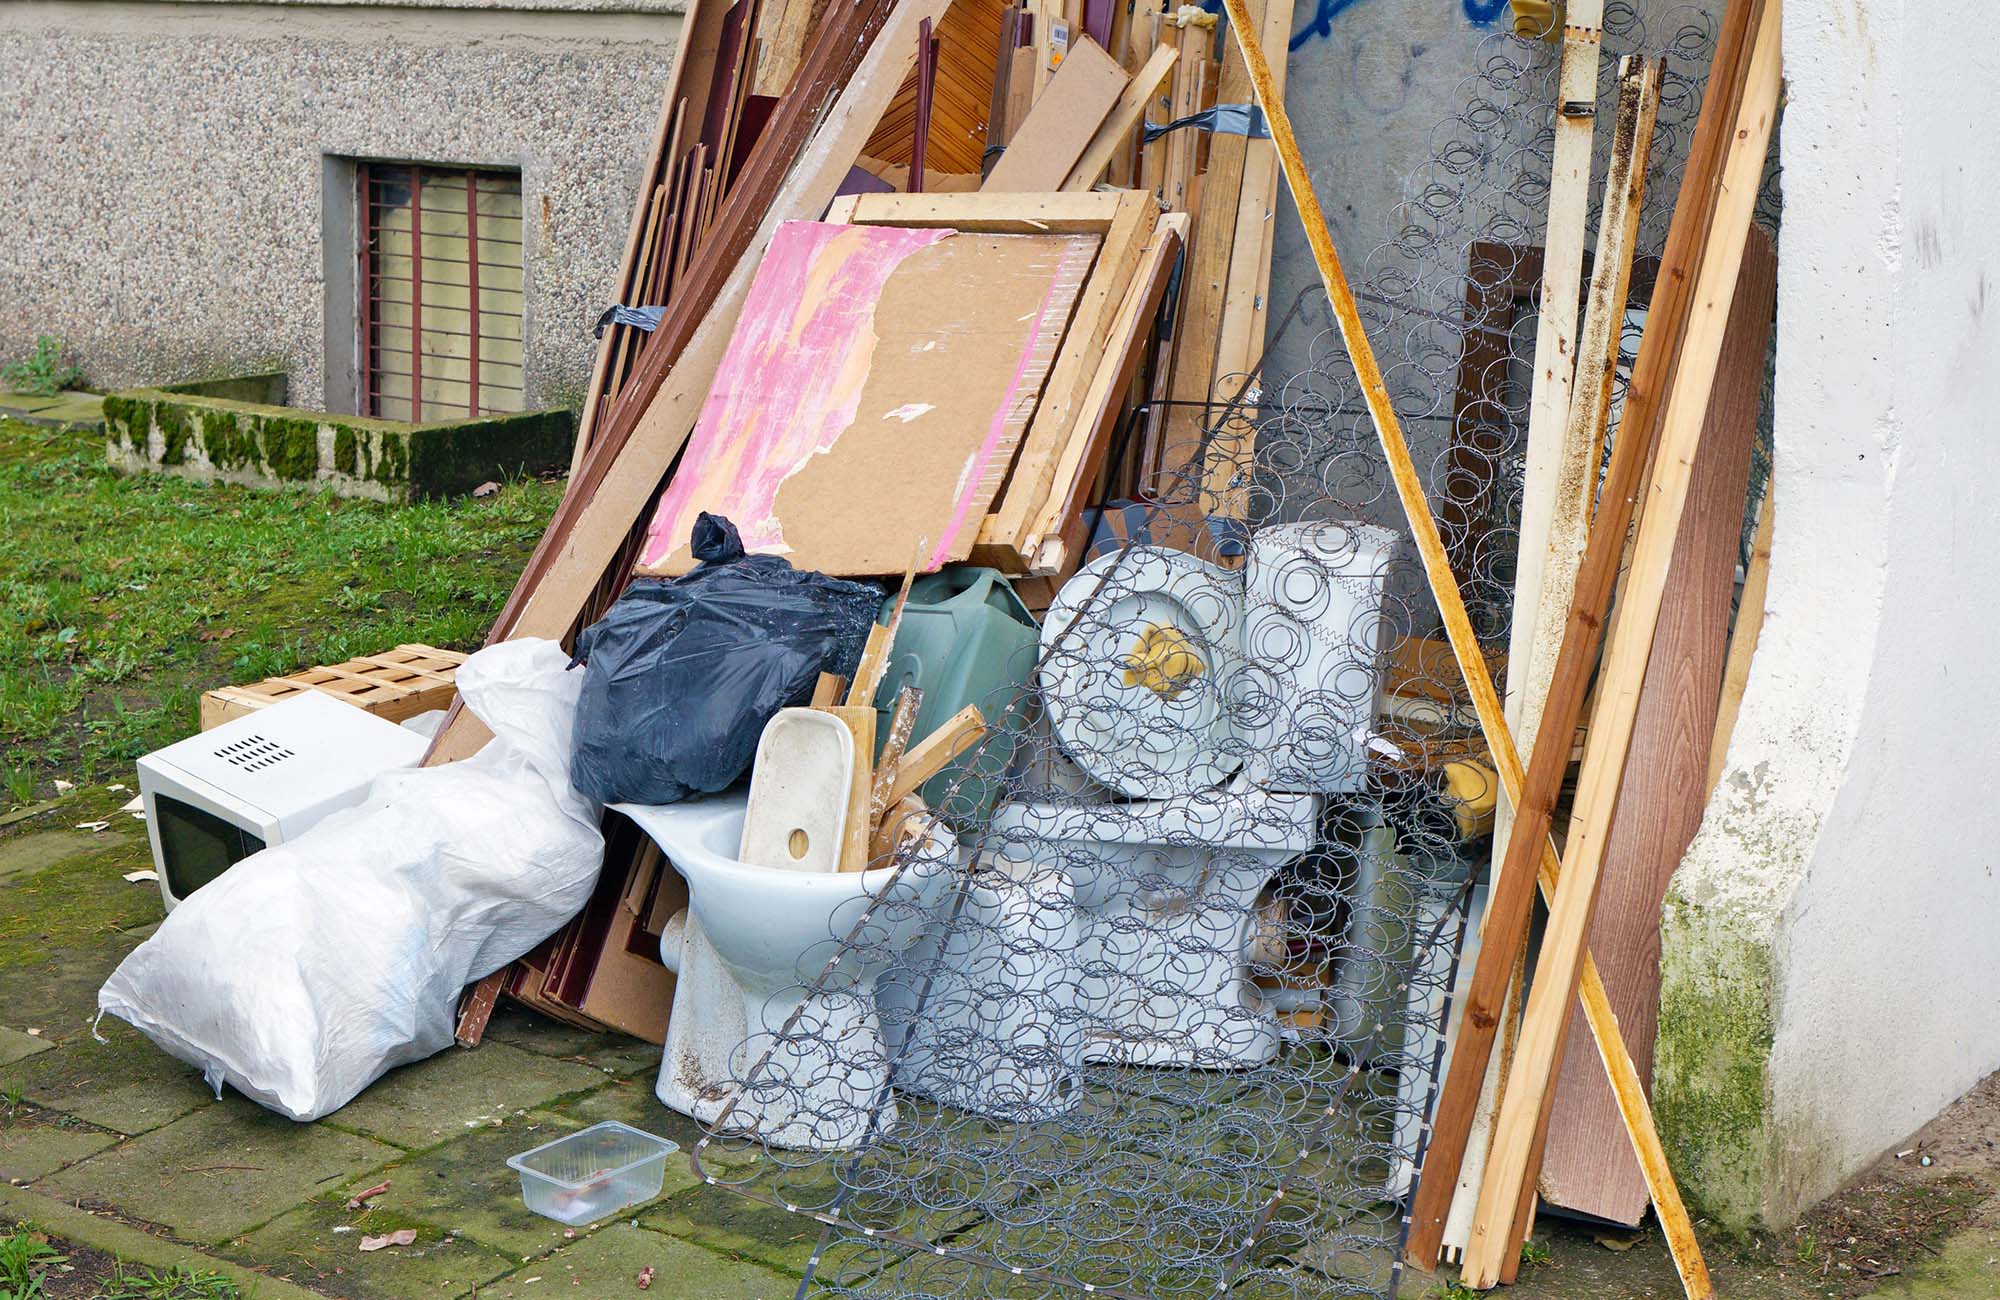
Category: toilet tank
[965,638]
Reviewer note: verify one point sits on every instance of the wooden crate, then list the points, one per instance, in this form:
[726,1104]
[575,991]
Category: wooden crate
[393,685]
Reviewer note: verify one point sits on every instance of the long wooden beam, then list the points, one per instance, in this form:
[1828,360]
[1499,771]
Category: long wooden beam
[1509,1172]
[1512,895]
[1561,483]
[1464,644]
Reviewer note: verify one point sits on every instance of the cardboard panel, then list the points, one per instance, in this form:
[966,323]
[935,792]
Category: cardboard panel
[873,394]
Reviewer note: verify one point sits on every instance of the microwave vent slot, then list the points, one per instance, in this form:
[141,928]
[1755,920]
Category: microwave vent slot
[254,753]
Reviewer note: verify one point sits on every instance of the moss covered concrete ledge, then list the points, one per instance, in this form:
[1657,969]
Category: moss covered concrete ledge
[239,431]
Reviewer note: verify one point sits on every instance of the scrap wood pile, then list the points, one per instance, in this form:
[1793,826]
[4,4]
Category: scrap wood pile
[1065,155]
[939,315]
[910,156]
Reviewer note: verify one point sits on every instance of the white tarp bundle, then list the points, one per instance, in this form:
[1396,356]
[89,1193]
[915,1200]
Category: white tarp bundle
[305,972]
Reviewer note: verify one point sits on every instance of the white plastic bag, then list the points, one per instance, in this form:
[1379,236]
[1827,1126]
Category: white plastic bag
[305,972]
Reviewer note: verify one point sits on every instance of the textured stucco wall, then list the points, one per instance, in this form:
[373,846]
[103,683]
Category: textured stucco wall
[1831,974]
[161,188]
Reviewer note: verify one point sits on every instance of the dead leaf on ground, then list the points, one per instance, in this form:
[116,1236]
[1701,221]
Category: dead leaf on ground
[400,1237]
[216,634]
[486,489]
[1618,1241]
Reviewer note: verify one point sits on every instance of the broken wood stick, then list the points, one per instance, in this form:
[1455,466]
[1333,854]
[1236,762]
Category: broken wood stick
[1675,1223]
[928,757]
[828,690]
[902,721]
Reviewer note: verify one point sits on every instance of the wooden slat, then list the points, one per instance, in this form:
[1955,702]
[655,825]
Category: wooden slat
[1033,478]
[1545,577]
[1458,629]
[1123,119]
[1719,259]
[1661,801]
[1205,283]
[1511,897]
[1059,127]
[1098,415]
[1239,336]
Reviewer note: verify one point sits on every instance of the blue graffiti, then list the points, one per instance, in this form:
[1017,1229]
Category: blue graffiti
[1482,13]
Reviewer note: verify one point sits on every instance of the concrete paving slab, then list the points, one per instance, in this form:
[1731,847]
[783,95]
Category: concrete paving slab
[456,1091]
[24,855]
[221,1171]
[16,1045]
[37,1146]
[124,1084]
[722,1220]
[319,1246]
[465,1186]
[608,1262]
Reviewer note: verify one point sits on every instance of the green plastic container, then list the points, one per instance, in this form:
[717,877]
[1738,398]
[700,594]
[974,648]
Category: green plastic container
[965,638]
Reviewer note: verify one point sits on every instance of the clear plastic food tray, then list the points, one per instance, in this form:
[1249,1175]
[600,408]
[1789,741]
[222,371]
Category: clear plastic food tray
[593,1173]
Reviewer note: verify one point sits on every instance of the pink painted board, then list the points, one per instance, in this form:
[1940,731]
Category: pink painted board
[873,394]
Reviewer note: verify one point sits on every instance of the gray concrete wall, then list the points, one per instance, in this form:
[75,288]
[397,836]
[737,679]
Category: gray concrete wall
[165,183]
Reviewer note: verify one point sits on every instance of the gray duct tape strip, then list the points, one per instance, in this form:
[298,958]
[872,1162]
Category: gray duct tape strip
[644,318]
[1223,119]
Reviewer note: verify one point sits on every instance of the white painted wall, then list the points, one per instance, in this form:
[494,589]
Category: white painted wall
[1853,839]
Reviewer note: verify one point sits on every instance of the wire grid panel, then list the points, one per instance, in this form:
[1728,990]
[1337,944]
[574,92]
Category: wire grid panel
[1152,1002]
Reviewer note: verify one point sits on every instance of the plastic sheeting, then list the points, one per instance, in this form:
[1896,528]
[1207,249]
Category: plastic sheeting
[305,972]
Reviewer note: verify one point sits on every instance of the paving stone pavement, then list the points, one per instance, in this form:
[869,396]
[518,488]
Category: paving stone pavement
[119,1127]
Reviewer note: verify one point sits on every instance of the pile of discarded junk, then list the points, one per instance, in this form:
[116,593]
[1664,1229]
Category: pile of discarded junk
[1043,788]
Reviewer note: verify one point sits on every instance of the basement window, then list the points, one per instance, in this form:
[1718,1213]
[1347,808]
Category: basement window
[441,307]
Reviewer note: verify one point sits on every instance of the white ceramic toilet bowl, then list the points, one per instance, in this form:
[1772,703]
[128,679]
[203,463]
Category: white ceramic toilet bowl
[763,1039]
[1166,891]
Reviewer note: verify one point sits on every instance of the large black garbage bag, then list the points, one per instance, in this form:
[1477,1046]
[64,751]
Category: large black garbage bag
[682,673]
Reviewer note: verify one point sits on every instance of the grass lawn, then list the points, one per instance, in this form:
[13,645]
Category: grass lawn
[126,598]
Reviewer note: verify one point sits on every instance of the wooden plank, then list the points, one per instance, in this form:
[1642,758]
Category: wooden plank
[1464,643]
[1098,416]
[859,720]
[1034,476]
[928,757]
[1545,579]
[1743,637]
[1511,898]
[1550,471]
[1121,121]
[1060,125]
[1719,260]
[859,359]
[1660,802]
[828,688]
[1020,91]
[1205,285]
[902,721]
[1192,35]
[999,214]
[1239,334]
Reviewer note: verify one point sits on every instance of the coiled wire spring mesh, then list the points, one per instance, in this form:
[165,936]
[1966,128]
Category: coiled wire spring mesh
[1152,1002]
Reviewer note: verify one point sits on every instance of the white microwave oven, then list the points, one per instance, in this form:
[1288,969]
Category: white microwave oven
[218,797]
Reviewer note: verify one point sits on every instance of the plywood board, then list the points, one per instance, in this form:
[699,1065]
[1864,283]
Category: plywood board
[1059,127]
[1660,803]
[867,397]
